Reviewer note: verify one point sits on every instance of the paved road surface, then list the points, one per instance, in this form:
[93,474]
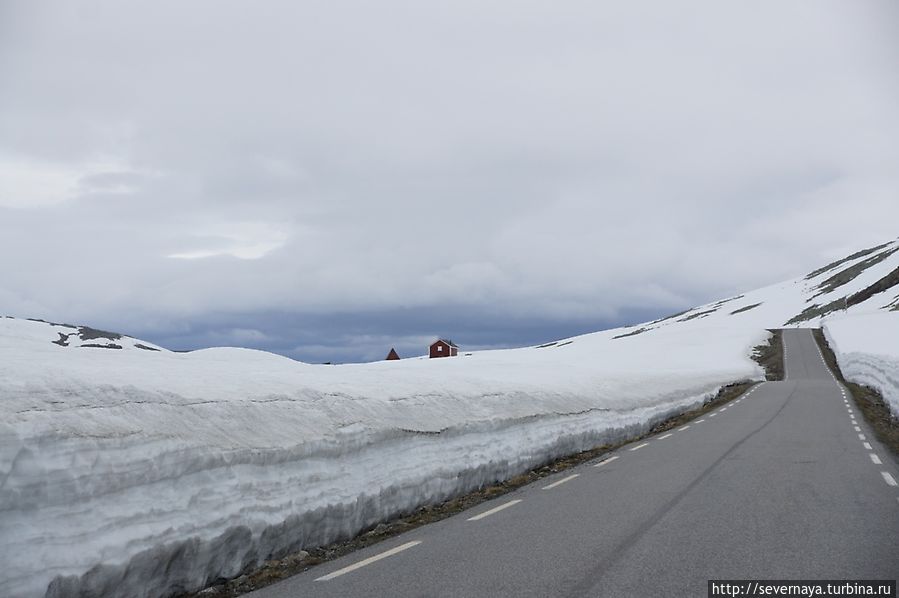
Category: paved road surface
[779,484]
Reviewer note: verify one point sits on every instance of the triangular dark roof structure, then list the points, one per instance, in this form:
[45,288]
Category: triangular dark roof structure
[392,356]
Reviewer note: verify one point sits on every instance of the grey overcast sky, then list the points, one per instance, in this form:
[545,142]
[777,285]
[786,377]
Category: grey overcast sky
[327,179]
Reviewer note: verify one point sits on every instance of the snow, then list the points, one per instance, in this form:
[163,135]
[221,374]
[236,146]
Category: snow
[128,472]
[109,455]
[867,350]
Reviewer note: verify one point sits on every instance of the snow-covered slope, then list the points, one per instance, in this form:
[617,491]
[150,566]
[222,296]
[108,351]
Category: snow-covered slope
[135,471]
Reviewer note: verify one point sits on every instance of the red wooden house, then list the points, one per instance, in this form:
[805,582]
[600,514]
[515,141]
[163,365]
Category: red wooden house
[443,348]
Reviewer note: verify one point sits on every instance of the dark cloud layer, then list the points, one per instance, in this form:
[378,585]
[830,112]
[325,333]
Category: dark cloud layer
[323,171]
[367,336]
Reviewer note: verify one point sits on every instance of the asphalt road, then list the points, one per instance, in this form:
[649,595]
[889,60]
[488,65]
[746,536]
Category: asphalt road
[783,483]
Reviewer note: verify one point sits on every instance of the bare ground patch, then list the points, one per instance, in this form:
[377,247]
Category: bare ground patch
[771,356]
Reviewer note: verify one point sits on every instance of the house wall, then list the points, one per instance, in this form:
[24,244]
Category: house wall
[447,350]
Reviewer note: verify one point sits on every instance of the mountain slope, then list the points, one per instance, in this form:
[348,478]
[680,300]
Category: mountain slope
[117,455]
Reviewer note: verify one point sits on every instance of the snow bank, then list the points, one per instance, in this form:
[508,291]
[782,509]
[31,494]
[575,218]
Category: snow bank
[867,349]
[136,473]
[129,470]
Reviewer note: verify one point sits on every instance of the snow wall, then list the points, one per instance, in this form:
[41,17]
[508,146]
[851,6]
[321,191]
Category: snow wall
[144,474]
[867,350]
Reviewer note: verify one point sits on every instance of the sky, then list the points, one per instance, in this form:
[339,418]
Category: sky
[330,179]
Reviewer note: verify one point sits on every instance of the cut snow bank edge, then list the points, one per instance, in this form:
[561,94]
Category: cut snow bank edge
[300,503]
[867,351]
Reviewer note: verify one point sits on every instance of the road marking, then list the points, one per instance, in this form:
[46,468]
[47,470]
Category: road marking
[639,446]
[853,421]
[560,482]
[665,436]
[511,503]
[857,429]
[890,480]
[861,437]
[368,561]
[699,421]
[682,429]
[722,410]
[875,459]
[712,414]
[867,446]
[609,460]
[850,410]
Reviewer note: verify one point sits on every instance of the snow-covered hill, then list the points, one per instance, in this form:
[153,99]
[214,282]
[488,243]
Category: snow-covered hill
[135,471]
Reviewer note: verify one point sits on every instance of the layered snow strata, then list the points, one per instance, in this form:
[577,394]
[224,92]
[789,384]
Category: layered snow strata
[139,473]
[867,350]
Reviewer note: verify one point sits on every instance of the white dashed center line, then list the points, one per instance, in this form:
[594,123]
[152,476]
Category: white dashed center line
[665,436]
[368,561]
[609,460]
[890,480]
[861,437]
[875,459]
[700,421]
[712,414]
[560,482]
[857,429]
[506,505]
[867,446]
[682,429]
[639,446]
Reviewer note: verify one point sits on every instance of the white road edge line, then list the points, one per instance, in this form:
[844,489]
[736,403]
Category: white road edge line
[857,429]
[890,480]
[506,505]
[665,436]
[603,462]
[867,446]
[861,437]
[682,429]
[562,481]
[368,561]
[712,414]
[699,421]
[639,446]
[875,459]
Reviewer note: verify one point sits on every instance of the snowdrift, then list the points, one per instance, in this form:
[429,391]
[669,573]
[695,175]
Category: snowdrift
[130,470]
[867,349]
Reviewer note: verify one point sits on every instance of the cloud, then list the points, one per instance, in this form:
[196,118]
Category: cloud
[243,240]
[499,160]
